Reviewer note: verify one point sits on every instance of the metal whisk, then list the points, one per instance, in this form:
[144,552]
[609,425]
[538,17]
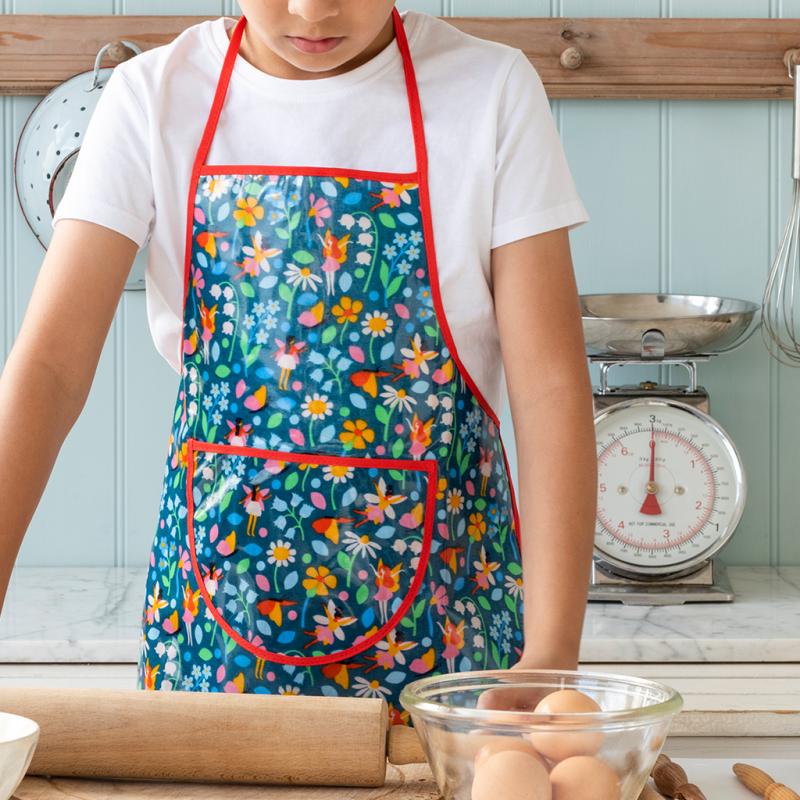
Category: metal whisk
[780,317]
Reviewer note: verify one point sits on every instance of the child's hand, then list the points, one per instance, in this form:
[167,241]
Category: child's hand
[516,698]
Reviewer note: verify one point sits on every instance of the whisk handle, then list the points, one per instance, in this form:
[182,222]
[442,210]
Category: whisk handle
[796,158]
[792,60]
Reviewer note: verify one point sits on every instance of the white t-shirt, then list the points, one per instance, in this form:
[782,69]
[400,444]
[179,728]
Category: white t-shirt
[497,168]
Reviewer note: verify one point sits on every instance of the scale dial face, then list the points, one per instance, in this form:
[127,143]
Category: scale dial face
[671,487]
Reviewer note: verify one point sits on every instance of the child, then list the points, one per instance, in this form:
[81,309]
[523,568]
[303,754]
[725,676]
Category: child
[349,212]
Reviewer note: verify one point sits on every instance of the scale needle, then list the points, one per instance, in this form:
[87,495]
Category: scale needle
[650,505]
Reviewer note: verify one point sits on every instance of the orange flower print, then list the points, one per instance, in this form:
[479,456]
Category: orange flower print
[247,212]
[319,581]
[477,526]
[357,434]
[347,310]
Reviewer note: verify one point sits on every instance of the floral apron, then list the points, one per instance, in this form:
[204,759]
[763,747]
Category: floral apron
[337,515]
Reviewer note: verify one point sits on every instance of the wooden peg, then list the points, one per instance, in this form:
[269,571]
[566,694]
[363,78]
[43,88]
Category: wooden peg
[572,58]
[792,58]
[118,51]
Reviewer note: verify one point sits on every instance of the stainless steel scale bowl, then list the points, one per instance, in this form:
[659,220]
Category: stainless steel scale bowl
[671,485]
[629,324]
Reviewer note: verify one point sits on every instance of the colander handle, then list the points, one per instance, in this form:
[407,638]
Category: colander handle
[116,49]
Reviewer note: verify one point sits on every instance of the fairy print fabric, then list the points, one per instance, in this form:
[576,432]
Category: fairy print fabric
[336,516]
[304,562]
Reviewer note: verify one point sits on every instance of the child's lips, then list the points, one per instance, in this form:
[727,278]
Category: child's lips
[315,45]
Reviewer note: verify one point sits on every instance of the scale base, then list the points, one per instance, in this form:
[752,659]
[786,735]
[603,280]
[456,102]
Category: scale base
[708,585]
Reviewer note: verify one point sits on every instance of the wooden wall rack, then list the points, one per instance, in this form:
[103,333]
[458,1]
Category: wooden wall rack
[582,58]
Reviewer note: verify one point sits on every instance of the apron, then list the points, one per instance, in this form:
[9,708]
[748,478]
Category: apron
[337,516]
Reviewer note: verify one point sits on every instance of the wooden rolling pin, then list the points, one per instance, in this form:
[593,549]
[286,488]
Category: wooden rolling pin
[212,737]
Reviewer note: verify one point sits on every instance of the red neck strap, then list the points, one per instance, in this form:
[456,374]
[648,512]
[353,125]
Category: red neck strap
[225,78]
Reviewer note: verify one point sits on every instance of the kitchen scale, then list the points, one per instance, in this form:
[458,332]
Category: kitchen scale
[671,485]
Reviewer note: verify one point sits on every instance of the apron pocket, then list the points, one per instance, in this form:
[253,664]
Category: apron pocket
[306,558]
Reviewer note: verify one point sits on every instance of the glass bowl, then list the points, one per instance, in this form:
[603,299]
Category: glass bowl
[465,720]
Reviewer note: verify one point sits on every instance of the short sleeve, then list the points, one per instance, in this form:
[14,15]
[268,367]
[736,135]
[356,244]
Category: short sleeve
[534,188]
[111,184]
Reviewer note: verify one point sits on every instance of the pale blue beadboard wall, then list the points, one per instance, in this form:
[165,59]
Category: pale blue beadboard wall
[684,197]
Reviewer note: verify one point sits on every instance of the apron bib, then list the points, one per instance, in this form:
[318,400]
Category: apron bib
[337,515]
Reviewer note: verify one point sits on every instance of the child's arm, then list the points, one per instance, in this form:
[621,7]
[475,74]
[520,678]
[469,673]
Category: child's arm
[549,389]
[49,371]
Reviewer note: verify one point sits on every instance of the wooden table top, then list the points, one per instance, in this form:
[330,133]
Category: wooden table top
[413,782]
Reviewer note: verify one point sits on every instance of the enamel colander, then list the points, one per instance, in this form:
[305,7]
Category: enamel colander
[48,147]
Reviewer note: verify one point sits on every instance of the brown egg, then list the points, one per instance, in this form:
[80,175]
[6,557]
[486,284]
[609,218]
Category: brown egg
[567,701]
[562,742]
[584,778]
[503,744]
[511,775]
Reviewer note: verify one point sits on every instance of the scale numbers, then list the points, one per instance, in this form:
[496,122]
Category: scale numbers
[670,487]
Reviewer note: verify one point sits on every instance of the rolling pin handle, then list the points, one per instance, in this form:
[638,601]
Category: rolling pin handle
[404,746]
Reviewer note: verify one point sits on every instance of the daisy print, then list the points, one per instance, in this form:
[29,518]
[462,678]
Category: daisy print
[377,323]
[216,186]
[302,277]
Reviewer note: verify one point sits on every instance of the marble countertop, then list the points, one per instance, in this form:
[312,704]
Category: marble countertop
[91,614]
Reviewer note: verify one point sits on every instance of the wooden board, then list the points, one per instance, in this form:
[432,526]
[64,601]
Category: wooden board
[402,783]
[713,775]
[624,58]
